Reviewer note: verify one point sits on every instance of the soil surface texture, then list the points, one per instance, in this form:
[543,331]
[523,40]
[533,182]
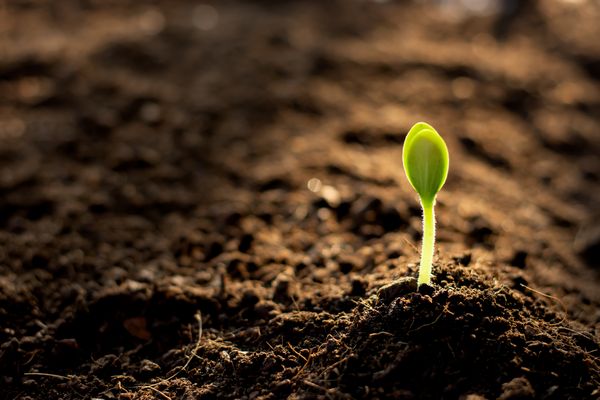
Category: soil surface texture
[207,200]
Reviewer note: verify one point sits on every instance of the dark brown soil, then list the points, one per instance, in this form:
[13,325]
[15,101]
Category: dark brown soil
[238,164]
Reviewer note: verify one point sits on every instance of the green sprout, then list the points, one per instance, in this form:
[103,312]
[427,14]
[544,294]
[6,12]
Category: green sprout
[425,159]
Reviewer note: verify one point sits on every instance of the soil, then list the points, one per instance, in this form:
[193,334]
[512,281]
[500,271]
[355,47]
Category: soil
[207,200]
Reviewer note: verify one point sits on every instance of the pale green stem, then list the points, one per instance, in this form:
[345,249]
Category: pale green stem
[428,242]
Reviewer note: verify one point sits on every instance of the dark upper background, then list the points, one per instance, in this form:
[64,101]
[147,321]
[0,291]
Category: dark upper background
[148,107]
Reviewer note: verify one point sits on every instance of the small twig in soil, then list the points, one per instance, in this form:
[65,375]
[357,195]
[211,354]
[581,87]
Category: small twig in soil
[411,244]
[339,342]
[66,378]
[295,303]
[382,333]
[198,317]
[32,356]
[119,388]
[296,352]
[315,386]
[556,299]
[426,325]
[584,334]
[308,360]
[365,304]
[335,364]
[159,392]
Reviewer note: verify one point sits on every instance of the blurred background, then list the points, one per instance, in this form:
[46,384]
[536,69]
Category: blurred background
[154,107]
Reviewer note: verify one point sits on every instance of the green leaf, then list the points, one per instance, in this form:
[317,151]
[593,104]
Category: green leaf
[426,161]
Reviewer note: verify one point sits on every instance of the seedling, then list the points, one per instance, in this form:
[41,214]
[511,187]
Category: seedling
[425,159]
